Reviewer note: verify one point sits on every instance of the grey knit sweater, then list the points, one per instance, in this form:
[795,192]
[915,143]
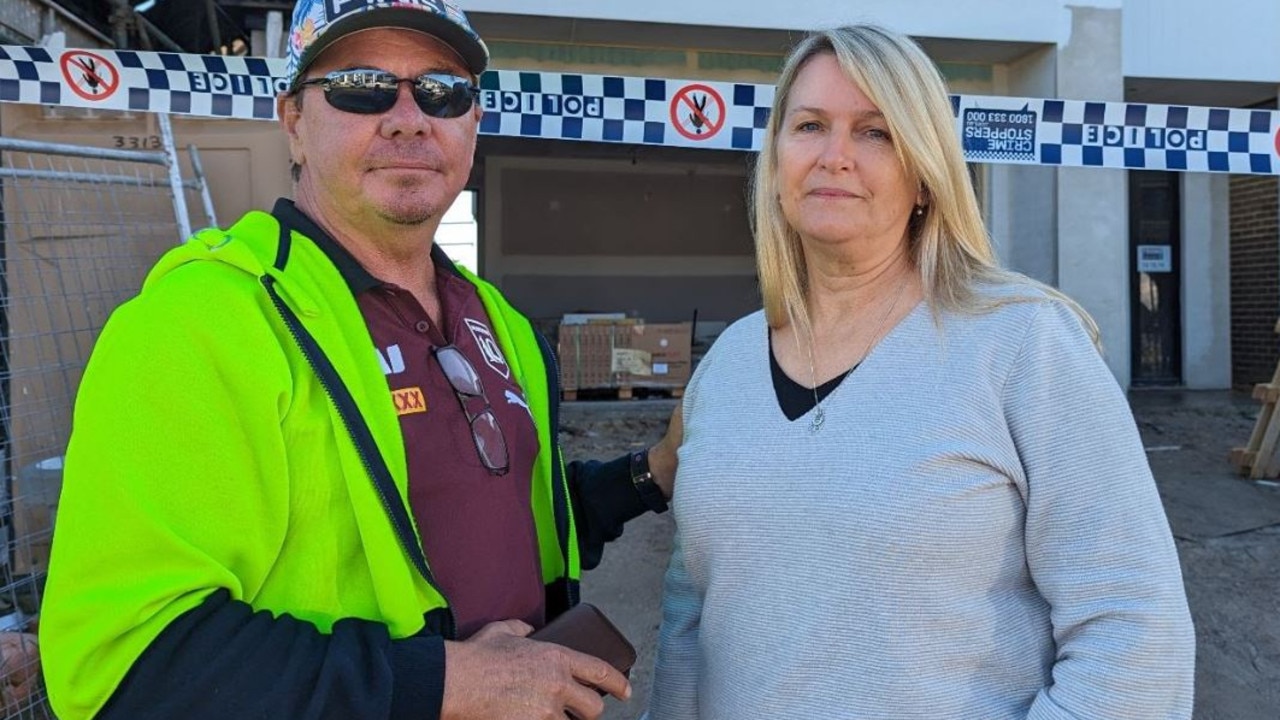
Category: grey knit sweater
[974,533]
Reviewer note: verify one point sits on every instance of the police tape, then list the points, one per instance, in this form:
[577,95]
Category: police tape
[666,112]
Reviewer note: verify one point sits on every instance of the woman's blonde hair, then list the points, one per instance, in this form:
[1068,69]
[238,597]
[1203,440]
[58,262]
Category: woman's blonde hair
[949,243]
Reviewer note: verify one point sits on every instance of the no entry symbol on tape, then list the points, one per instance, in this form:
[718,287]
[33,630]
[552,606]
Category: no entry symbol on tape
[697,112]
[90,76]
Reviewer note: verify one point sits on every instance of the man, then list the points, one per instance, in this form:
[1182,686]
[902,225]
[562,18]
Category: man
[314,472]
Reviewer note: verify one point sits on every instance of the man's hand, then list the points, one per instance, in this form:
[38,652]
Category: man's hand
[662,456]
[498,673]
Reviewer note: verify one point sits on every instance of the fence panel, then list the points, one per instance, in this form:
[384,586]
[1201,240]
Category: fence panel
[79,227]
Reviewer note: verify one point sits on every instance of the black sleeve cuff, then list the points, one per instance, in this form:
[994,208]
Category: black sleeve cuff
[417,672]
[224,659]
[608,493]
[603,500]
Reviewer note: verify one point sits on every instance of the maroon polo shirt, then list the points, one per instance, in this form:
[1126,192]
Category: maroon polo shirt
[476,527]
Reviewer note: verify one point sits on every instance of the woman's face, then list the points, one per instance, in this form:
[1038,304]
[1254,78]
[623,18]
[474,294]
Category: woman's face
[839,178]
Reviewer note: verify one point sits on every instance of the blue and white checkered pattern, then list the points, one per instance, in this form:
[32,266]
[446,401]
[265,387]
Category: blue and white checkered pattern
[652,111]
[618,109]
[22,79]
[1139,136]
[208,85]
[1162,137]
[182,84]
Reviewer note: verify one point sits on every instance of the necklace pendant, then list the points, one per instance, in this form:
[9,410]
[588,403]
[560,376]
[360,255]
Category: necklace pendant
[819,417]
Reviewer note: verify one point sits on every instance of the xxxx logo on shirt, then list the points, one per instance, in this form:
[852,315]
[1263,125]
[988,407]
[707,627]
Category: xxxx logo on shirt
[409,401]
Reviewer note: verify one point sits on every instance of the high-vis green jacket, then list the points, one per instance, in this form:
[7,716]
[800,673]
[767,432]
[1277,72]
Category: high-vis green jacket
[233,536]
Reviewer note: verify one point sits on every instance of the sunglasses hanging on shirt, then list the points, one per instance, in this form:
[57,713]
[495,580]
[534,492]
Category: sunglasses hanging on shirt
[487,434]
[369,92]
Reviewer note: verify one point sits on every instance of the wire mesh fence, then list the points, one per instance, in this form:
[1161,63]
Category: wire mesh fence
[79,227]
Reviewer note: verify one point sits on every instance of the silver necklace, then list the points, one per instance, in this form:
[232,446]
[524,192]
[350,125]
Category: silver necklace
[819,413]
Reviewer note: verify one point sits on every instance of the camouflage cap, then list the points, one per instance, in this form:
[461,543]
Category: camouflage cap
[317,24]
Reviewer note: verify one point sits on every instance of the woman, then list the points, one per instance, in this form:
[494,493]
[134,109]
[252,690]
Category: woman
[910,487]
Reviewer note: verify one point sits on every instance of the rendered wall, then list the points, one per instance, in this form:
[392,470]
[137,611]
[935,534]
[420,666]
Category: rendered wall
[1192,39]
[656,238]
[1021,20]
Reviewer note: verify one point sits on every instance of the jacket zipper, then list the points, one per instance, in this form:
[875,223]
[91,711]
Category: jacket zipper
[419,560]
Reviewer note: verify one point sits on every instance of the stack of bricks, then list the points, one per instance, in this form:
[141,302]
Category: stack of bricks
[622,356]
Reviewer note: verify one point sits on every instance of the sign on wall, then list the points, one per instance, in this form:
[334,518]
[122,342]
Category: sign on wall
[667,112]
[1155,258]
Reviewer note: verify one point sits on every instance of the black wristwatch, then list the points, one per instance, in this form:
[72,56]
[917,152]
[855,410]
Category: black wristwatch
[642,479]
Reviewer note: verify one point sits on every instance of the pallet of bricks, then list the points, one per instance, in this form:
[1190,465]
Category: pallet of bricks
[617,357]
[1259,459]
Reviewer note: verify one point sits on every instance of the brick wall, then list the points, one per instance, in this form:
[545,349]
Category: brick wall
[1255,278]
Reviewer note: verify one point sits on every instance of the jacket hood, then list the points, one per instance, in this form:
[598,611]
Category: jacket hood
[253,244]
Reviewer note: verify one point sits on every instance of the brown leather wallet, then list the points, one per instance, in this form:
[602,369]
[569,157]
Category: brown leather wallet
[585,629]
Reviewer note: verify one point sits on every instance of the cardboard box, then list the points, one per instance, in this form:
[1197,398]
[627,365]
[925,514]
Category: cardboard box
[625,354]
[669,350]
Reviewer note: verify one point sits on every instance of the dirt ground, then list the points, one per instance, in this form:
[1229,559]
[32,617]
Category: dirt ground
[1227,531]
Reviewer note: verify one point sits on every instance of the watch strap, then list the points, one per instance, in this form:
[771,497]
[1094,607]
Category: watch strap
[642,480]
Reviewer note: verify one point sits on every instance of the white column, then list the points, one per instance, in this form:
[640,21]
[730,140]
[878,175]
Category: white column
[1206,281]
[1093,227]
[1022,199]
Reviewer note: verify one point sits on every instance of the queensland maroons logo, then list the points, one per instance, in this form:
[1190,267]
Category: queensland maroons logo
[493,356]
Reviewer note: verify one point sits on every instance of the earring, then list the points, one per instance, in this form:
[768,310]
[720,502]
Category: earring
[919,210]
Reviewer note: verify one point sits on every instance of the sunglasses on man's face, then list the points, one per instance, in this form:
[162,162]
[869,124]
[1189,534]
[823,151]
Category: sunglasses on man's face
[369,92]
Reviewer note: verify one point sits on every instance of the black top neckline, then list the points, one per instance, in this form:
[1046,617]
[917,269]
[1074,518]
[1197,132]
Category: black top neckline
[793,398]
